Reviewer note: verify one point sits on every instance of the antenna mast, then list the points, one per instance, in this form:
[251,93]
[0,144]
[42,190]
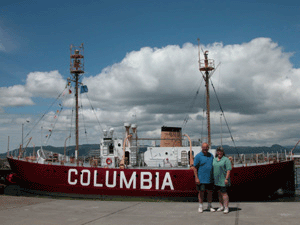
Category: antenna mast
[207,65]
[76,70]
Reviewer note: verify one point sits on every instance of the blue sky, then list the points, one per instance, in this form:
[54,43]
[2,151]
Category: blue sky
[38,33]
[35,36]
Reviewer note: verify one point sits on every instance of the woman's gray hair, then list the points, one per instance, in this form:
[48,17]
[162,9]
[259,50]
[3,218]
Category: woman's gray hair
[220,149]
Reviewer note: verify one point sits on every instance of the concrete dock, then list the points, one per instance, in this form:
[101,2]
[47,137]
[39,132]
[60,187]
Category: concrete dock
[35,210]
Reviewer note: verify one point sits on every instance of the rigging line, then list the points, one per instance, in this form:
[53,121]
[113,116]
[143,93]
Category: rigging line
[62,106]
[186,119]
[81,107]
[45,113]
[53,127]
[56,117]
[219,78]
[94,112]
[71,124]
[212,73]
[71,121]
[67,115]
[224,118]
[190,108]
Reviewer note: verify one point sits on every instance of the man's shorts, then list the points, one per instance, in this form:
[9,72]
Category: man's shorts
[205,187]
[221,189]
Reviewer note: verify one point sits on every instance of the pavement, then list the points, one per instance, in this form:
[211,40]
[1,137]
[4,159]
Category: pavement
[36,210]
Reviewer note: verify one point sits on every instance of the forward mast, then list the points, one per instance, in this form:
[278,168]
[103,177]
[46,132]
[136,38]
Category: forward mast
[76,70]
[207,65]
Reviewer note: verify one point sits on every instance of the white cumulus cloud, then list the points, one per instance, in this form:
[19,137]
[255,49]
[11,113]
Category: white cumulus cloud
[256,84]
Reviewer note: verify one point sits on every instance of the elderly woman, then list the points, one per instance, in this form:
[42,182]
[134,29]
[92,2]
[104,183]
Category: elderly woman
[221,168]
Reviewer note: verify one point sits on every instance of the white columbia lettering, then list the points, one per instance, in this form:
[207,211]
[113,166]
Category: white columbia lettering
[107,179]
[95,180]
[157,181]
[144,180]
[69,176]
[88,177]
[124,180]
[167,182]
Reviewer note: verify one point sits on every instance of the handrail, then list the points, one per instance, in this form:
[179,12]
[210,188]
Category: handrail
[122,163]
[191,155]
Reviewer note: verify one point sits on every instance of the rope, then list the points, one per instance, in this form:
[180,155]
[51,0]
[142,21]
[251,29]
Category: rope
[45,113]
[187,117]
[56,119]
[224,117]
[81,106]
[94,112]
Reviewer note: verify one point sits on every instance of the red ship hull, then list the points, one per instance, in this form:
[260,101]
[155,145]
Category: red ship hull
[261,180]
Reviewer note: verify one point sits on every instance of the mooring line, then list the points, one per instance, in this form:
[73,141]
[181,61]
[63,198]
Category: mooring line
[111,214]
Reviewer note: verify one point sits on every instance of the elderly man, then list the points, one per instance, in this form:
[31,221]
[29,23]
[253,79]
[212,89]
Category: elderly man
[203,170]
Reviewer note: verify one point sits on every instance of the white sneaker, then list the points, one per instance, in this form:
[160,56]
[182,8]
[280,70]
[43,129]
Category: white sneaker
[226,210]
[212,209]
[200,210]
[220,209]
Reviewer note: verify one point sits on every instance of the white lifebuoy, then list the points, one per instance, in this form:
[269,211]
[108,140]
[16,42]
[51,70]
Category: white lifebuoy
[108,161]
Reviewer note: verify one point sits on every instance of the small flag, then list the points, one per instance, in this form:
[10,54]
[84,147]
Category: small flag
[83,89]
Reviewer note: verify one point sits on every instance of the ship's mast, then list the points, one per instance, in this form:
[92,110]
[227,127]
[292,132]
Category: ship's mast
[207,65]
[76,69]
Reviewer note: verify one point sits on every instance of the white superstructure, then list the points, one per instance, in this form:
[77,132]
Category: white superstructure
[112,150]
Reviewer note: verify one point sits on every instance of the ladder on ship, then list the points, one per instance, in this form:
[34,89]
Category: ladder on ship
[184,158]
[133,155]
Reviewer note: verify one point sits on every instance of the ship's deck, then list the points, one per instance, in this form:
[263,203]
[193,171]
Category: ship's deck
[236,165]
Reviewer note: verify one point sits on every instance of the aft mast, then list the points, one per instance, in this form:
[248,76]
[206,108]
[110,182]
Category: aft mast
[76,70]
[207,65]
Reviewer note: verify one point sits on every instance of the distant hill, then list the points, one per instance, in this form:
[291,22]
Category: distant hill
[84,149]
[70,150]
[248,150]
